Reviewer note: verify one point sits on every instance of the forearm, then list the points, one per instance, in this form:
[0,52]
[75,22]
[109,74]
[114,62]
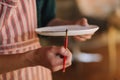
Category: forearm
[13,62]
[57,21]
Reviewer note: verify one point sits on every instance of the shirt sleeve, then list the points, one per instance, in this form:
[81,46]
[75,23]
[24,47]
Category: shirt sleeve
[5,9]
[47,12]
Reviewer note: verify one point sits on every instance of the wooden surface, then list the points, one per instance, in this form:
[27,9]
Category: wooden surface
[91,71]
[67,9]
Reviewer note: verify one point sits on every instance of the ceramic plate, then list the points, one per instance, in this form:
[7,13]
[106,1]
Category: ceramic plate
[73,30]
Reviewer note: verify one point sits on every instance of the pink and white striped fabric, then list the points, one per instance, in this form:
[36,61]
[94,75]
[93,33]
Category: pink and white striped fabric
[18,21]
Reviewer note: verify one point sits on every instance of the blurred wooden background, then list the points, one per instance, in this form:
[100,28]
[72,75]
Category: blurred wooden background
[68,10]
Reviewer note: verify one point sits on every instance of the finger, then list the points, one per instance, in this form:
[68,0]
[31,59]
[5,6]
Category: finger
[69,56]
[57,68]
[88,34]
[59,56]
[85,36]
[58,60]
[83,22]
[79,38]
[61,51]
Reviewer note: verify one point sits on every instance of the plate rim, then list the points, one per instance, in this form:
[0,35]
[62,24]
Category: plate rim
[49,33]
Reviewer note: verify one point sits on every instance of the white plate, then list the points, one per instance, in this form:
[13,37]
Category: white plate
[72,30]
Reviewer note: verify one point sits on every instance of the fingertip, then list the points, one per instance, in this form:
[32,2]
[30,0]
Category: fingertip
[83,21]
[81,39]
[69,64]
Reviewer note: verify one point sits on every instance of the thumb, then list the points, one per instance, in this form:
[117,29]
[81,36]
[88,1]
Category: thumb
[82,22]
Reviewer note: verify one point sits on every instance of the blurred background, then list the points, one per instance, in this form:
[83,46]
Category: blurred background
[99,57]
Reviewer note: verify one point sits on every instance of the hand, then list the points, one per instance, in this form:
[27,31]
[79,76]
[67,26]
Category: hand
[83,22]
[50,57]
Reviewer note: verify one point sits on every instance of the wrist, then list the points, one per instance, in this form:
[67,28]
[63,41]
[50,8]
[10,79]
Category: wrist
[29,58]
[57,22]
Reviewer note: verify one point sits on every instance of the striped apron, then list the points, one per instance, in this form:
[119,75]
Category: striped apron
[18,21]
